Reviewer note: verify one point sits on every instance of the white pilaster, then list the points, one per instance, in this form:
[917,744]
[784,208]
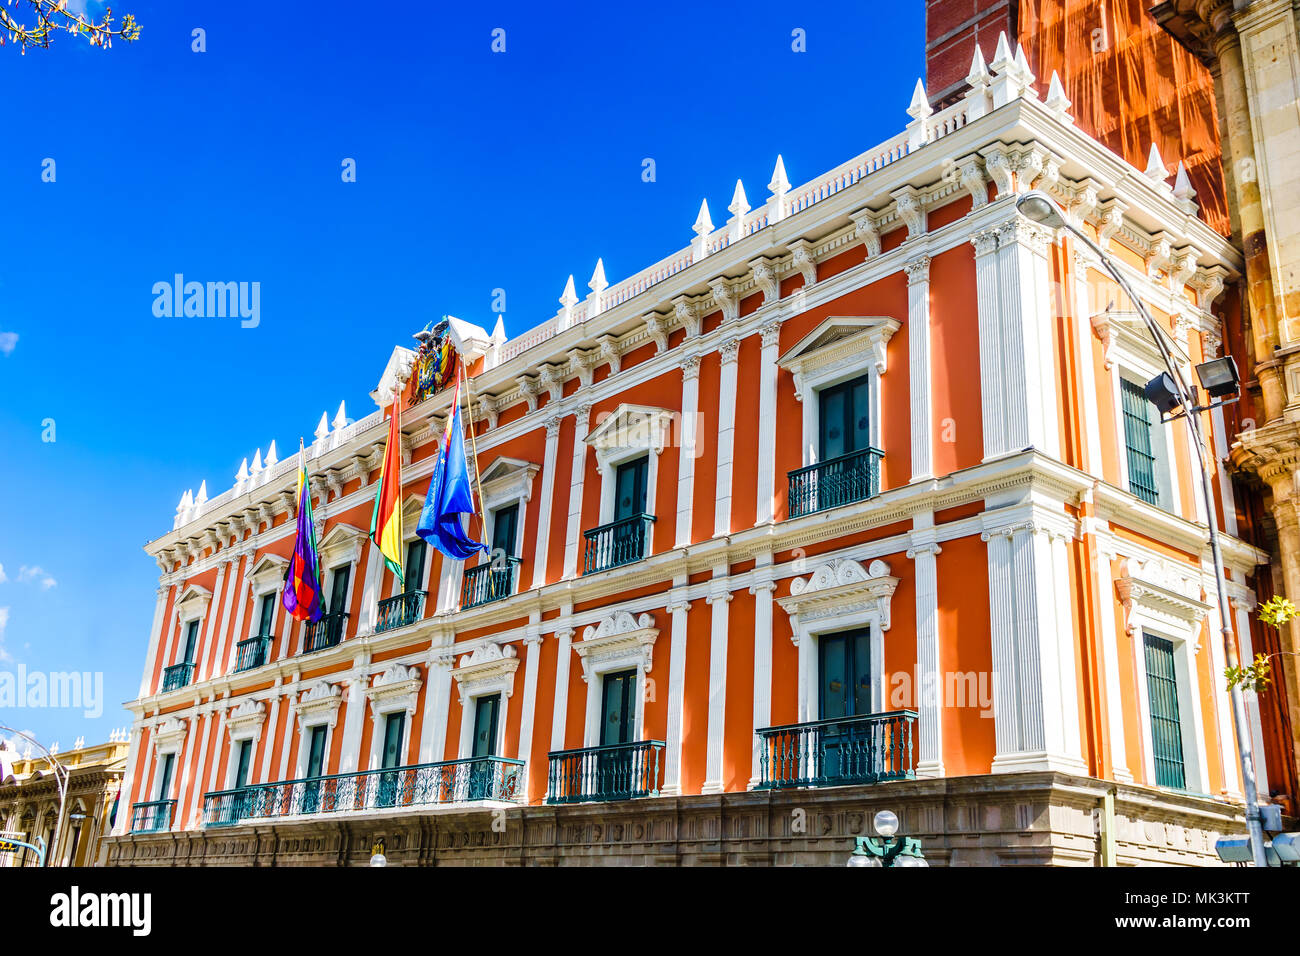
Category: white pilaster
[209,628]
[181,821]
[350,752]
[919,375]
[1247,653]
[573,536]
[226,660]
[133,766]
[532,663]
[269,735]
[767,382]
[718,600]
[155,641]
[370,588]
[993,401]
[544,503]
[433,729]
[689,452]
[762,589]
[678,607]
[231,567]
[560,713]
[728,352]
[929,673]
[1110,670]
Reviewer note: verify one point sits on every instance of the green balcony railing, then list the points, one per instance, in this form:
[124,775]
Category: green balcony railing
[617,543]
[427,785]
[844,750]
[400,610]
[327,632]
[611,772]
[178,675]
[252,652]
[490,581]
[836,481]
[152,816]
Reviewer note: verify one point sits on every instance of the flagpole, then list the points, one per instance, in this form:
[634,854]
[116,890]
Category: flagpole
[473,445]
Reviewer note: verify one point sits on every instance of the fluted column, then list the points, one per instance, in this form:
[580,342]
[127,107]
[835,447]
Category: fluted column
[349,752]
[544,502]
[269,732]
[437,691]
[718,600]
[763,588]
[689,451]
[678,607]
[919,376]
[993,400]
[929,673]
[532,663]
[561,708]
[729,353]
[573,536]
[767,383]
[156,639]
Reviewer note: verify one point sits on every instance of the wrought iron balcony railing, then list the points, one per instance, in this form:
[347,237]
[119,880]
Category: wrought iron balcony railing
[427,785]
[152,816]
[836,481]
[252,652]
[178,675]
[617,543]
[326,632]
[490,581]
[832,753]
[612,772]
[400,610]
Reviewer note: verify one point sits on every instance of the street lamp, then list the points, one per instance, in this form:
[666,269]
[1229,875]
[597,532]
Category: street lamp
[60,777]
[377,857]
[1219,378]
[903,851]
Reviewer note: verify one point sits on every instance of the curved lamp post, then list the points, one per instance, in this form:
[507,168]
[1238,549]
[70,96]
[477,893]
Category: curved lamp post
[1169,392]
[60,777]
[900,851]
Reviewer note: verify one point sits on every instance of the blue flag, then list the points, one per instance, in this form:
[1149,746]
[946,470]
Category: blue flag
[449,494]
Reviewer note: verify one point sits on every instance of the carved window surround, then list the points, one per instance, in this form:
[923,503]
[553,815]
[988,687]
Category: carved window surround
[489,669]
[840,595]
[395,690]
[627,433]
[619,642]
[505,482]
[245,720]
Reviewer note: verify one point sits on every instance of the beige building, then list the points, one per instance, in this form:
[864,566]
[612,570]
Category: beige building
[29,802]
[1252,48]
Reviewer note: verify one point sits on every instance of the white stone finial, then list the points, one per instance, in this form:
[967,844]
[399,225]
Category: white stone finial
[271,458]
[257,462]
[323,429]
[1056,100]
[920,105]
[341,417]
[1023,73]
[1156,169]
[183,503]
[203,492]
[703,224]
[979,70]
[499,330]
[242,475]
[1183,191]
[778,187]
[1002,56]
[738,208]
[598,283]
[568,298]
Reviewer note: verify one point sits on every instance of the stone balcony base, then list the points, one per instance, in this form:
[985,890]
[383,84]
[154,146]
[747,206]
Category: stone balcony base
[1018,819]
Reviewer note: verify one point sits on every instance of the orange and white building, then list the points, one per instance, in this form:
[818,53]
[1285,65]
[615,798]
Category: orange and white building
[849,501]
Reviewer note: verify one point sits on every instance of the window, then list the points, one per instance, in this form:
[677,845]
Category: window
[413,571]
[165,777]
[1166,722]
[338,601]
[244,759]
[485,725]
[618,708]
[630,488]
[265,615]
[845,670]
[505,528]
[315,768]
[626,538]
[1139,442]
[845,418]
[191,639]
[394,727]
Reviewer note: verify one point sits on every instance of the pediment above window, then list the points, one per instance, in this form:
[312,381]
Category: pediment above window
[397,688]
[628,428]
[839,343]
[193,602]
[246,719]
[169,735]
[489,669]
[342,545]
[319,703]
[508,479]
[839,588]
[1159,594]
[619,640]
[267,574]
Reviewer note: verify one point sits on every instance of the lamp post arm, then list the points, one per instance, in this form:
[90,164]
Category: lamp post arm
[60,778]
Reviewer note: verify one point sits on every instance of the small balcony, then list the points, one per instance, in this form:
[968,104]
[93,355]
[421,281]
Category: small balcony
[489,581]
[611,772]
[836,481]
[428,785]
[176,676]
[617,543]
[153,816]
[845,750]
[327,632]
[252,652]
[400,610]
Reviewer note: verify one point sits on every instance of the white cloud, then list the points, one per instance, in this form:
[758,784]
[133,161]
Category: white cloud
[35,573]
[3,579]
[8,342]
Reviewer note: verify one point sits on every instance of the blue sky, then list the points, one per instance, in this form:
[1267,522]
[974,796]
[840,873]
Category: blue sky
[475,171]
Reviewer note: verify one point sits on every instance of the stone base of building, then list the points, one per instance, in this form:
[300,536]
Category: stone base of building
[1019,819]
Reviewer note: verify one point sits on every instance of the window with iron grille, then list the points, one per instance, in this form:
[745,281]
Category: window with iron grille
[1166,724]
[1138,442]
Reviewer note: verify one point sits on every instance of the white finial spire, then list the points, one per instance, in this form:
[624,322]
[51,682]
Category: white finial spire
[738,208]
[1183,191]
[203,493]
[979,70]
[1025,75]
[323,429]
[183,503]
[568,299]
[257,462]
[703,224]
[1002,56]
[920,106]
[499,331]
[1056,99]
[1156,168]
[242,475]
[341,417]
[778,187]
[271,457]
[597,285]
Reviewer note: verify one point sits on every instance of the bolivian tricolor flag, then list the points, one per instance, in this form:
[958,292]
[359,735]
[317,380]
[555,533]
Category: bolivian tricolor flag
[302,591]
[386,523]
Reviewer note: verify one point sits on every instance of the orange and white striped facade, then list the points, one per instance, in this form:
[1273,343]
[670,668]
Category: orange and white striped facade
[1004,570]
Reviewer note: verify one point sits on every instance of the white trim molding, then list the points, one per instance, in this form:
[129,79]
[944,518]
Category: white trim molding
[245,720]
[489,669]
[625,434]
[619,642]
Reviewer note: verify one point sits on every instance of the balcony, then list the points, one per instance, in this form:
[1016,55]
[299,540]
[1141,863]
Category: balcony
[327,632]
[488,582]
[837,481]
[252,652]
[153,816]
[400,610]
[617,543]
[611,772]
[832,753]
[178,675]
[401,788]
